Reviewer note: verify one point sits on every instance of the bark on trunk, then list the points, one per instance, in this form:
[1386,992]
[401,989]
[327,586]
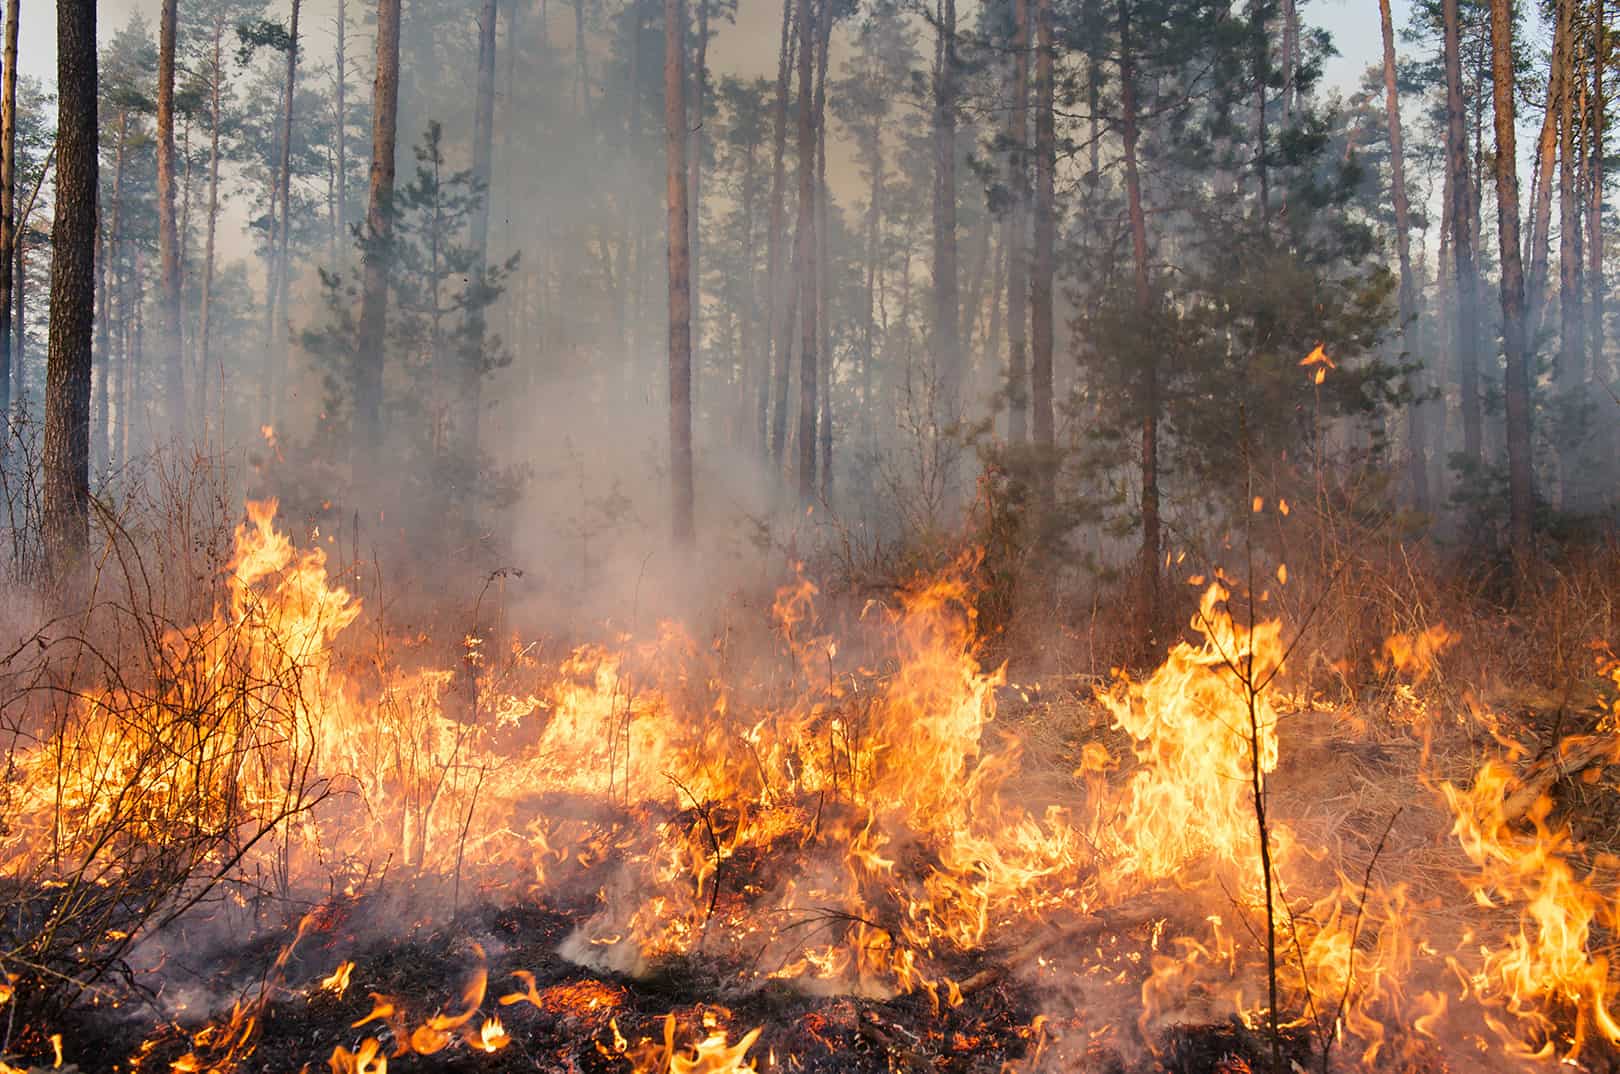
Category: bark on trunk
[1516,381]
[1594,218]
[66,516]
[947,349]
[777,326]
[874,218]
[8,211]
[698,85]
[341,99]
[823,263]
[470,370]
[278,343]
[1417,435]
[1571,329]
[171,344]
[205,310]
[806,258]
[112,253]
[1148,400]
[378,257]
[1462,246]
[680,294]
[1017,258]
[1042,283]
[1538,241]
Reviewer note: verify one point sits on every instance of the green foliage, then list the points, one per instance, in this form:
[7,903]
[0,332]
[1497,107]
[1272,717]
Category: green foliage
[437,300]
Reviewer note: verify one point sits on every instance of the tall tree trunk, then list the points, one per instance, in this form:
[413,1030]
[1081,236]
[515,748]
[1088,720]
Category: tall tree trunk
[341,105]
[171,345]
[806,259]
[1538,241]
[8,211]
[748,371]
[998,288]
[981,244]
[470,371]
[947,349]
[279,342]
[1462,245]
[777,326]
[1516,383]
[1148,390]
[205,311]
[680,294]
[1594,218]
[1290,59]
[111,256]
[874,251]
[1571,328]
[1017,258]
[100,418]
[1417,435]
[66,517]
[378,253]
[19,335]
[698,86]
[1262,76]
[823,262]
[626,296]
[1043,282]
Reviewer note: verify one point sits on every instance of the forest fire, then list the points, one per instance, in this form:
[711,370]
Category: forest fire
[838,840]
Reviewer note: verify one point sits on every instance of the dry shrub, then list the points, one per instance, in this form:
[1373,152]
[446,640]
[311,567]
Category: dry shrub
[150,743]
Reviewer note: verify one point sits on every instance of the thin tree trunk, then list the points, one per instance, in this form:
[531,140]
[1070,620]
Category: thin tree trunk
[66,518]
[378,255]
[1043,282]
[112,255]
[748,372]
[777,326]
[806,258]
[680,295]
[1149,385]
[341,99]
[8,211]
[1521,491]
[1462,246]
[998,289]
[1017,260]
[1594,218]
[1290,59]
[1261,73]
[869,317]
[1571,329]
[1417,435]
[470,370]
[1539,239]
[205,311]
[19,326]
[699,89]
[947,346]
[171,345]
[823,261]
[279,343]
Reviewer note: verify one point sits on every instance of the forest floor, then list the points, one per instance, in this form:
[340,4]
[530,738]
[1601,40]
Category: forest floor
[1356,785]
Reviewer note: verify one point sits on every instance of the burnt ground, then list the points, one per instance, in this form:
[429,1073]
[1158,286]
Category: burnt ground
[572,1028]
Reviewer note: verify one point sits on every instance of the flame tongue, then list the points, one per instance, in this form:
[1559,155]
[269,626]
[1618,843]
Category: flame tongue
[848,810]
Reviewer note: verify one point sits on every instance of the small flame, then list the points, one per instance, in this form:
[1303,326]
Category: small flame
[338,982]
